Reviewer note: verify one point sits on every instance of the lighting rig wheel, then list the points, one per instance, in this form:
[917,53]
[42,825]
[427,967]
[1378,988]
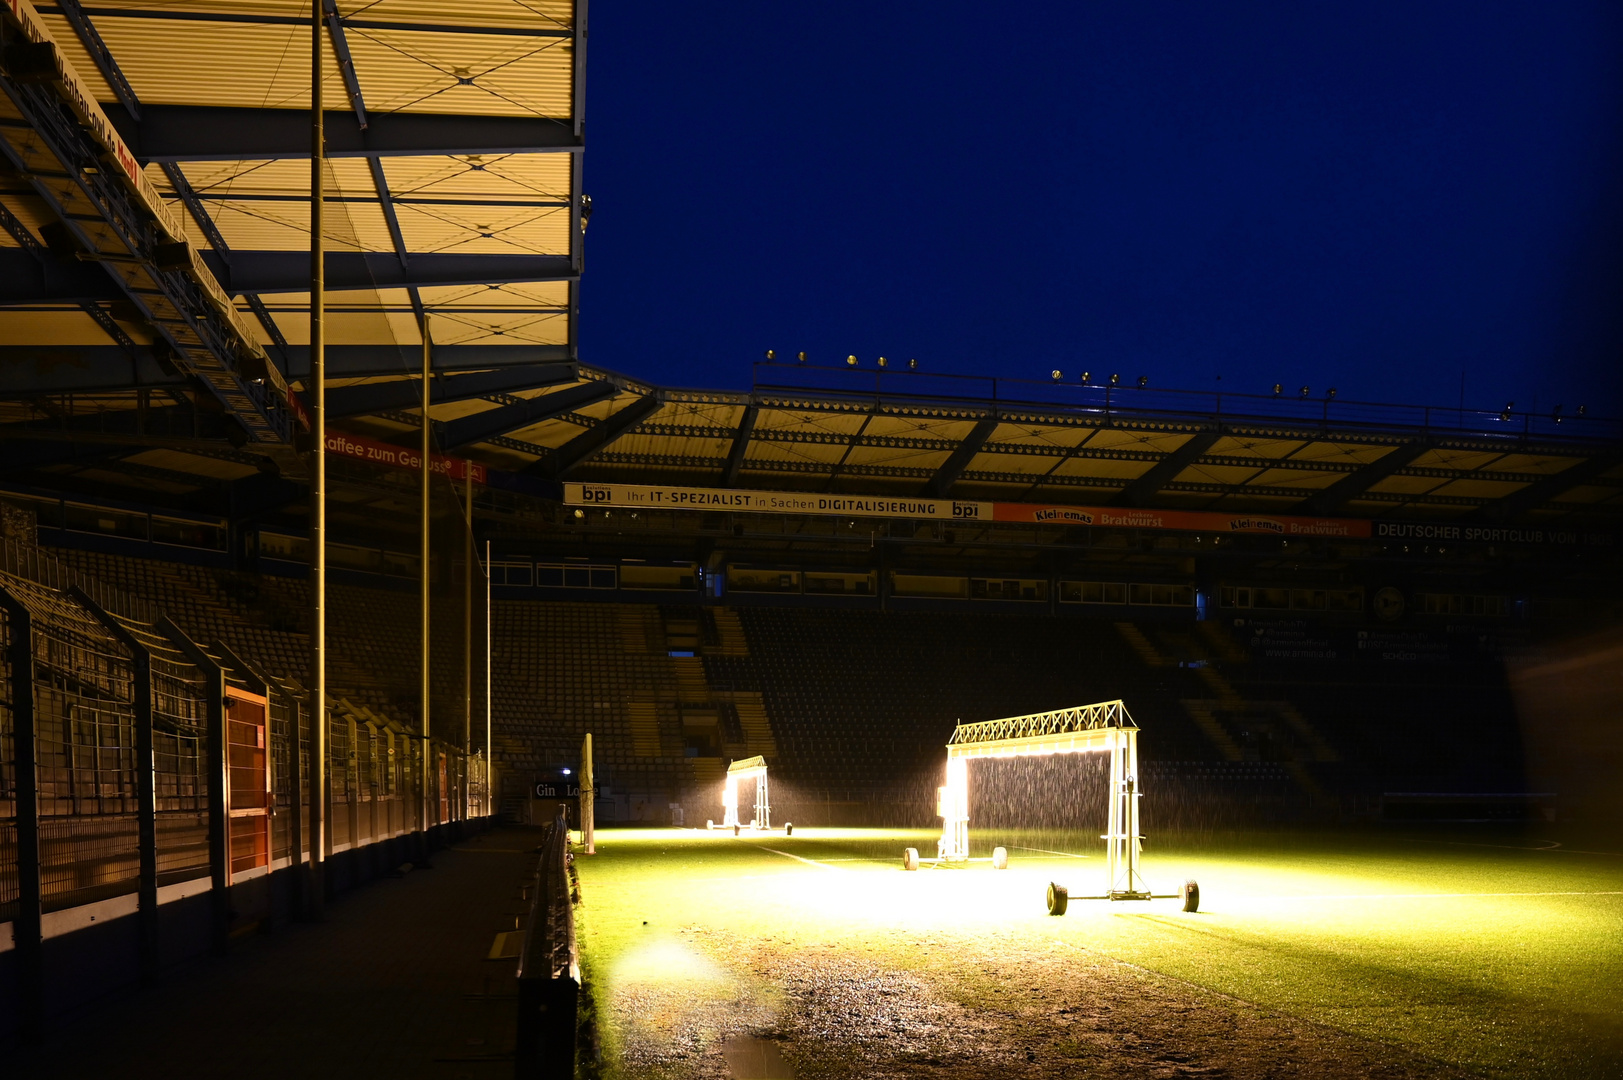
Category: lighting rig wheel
[1058,899]
[910,858]
[1000,858]
[788,828]
[1191,895]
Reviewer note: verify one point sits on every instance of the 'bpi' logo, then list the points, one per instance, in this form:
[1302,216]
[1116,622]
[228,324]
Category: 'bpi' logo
[596,495]
[965,510]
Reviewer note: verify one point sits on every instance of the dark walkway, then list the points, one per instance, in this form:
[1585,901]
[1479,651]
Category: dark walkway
[394,984]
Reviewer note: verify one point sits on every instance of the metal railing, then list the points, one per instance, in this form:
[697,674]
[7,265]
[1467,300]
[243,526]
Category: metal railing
[549,968]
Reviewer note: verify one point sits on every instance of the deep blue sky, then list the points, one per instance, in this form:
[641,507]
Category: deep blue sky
[1374,196]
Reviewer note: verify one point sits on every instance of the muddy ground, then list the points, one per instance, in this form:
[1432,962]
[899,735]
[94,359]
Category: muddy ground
[971,1007]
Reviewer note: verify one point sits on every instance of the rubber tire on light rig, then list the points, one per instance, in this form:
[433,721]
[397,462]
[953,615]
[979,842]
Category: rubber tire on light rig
[1191,895]
[910,858]
[1000,858]
[788,828]
[1058,899]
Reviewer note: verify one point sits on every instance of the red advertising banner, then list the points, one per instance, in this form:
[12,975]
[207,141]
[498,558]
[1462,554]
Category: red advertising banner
[1185,520]
[400,457]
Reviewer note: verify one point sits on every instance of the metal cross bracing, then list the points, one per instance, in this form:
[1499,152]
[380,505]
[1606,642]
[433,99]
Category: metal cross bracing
[1015,734]
[61,142]
[102,56]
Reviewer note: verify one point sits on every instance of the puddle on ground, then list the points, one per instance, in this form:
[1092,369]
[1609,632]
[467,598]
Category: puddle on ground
[755,1059]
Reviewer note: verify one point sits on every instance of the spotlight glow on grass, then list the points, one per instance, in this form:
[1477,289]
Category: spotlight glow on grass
[1504,960]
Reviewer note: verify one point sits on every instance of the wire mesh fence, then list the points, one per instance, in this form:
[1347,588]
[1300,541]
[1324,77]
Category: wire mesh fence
[91,654]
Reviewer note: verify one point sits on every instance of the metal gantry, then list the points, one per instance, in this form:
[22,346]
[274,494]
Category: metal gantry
[1104,727]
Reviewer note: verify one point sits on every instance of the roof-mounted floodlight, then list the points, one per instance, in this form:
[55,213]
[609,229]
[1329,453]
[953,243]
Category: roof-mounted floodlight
[1582,410]
[883,362]
[851,361]
[913,364]
[1279,388]
[1087,377]
[1306,391]
[1115,380]
[1056,374]
[801,357]
[1143,381]
[1330,395]
[770,355]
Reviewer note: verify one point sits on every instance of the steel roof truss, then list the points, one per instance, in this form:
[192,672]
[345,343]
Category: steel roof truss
[69,170]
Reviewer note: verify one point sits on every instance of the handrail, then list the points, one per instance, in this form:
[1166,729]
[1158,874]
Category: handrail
[549,967]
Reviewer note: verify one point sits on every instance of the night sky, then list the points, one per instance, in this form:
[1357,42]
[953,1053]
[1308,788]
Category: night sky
[1376,196]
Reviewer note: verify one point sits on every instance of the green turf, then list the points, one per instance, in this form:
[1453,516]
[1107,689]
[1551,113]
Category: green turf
[1501,959]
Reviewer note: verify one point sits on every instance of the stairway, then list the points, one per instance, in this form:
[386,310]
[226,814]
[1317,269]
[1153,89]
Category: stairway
[730,633]
[1142,645]
[643,719]
[1205,718]
[639,626]
[757,730]
[691,687]
[705,772]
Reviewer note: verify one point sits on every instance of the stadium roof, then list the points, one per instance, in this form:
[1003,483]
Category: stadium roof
[453,133]
[131,362]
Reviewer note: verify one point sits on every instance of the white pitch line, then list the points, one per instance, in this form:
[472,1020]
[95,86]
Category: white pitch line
[1046,851]
[797,858]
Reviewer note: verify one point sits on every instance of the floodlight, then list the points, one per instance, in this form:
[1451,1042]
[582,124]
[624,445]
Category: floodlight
[851,361]
[1143,381]
[1582,410]
[1331,394]
[566,772]
[913,365]
[770,355]
[801,358]
[1279,388]
[1087,377]
[1056,375]
[1115,380]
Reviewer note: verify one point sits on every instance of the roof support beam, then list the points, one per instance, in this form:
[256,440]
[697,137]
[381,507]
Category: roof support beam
[593,440]
[481,427]
[941,483]
[408,394]
[219,133]
[1355,483]
[289,271]
[255,272]
[29,370]
[1540,492]
[741,441]
[1163,472]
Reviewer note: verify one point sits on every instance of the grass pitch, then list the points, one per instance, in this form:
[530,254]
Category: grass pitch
[1499,955]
